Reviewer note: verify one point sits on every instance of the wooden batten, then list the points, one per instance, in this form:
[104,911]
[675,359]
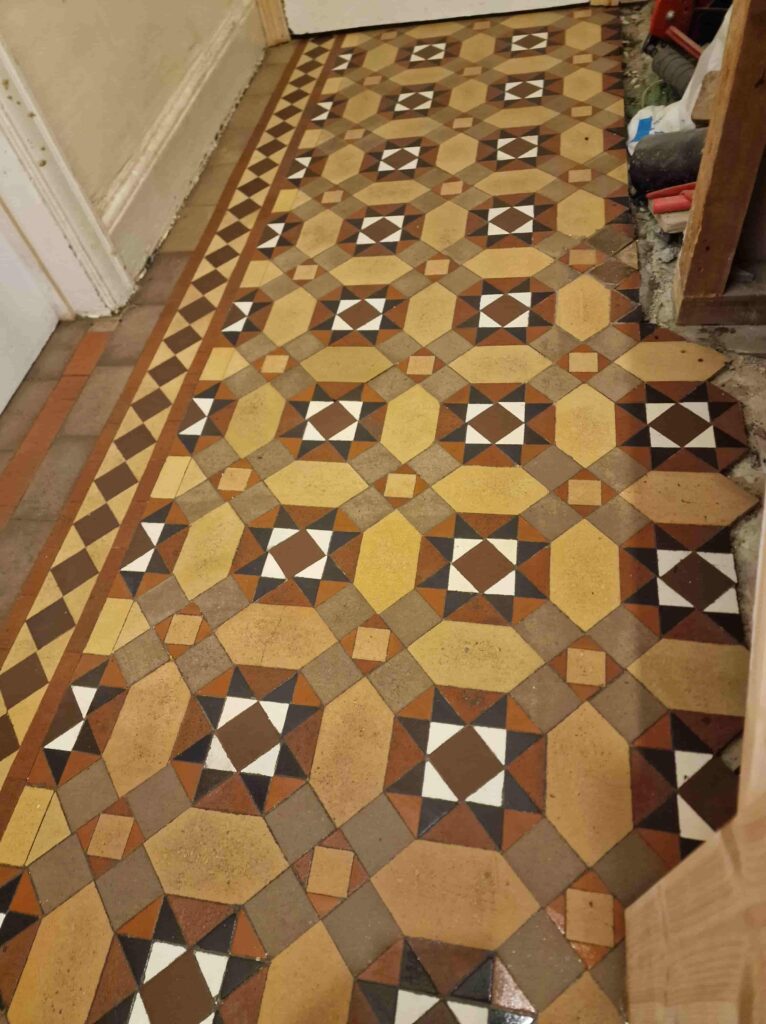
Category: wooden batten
[275,28]
[730,163]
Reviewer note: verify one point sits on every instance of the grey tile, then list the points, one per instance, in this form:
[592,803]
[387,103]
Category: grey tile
[158,801]
[200,664]
[540,960]
[141,656]
[628,706]
[299,823]
[87,794]
[128,887]
[161,601]
[281,912]
[129,340]
[96,401]
[400,680]
[60,873]
[545,862]
[362,928]
[332,673]
[52,483]
[630,868]
[377,833]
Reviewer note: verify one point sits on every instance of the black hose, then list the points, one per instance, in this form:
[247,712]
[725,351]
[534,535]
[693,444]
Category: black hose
[662,160]
[673,67]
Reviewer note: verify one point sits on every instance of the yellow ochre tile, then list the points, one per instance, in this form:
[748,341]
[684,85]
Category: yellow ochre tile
[330,872]
[585,574]
[276,636]
[388,561]
[475,655]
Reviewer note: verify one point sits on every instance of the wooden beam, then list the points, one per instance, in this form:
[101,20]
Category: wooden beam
[275,28]
[731,159]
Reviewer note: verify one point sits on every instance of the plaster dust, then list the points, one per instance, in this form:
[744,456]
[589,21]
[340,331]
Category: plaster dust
[744,377]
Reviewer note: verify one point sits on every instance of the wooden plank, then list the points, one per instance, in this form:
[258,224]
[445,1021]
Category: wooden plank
[275,28]
[732,156]
[740,303]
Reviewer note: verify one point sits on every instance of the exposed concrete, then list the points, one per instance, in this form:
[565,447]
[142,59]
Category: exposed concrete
[744,377]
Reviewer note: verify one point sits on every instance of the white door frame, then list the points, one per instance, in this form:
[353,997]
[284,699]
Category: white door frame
[50,211]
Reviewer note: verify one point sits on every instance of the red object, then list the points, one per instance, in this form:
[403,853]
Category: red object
[673,204]
[671,190]
[672,19]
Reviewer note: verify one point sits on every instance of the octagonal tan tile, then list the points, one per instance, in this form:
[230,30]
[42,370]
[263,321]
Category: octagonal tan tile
[454,894]
[213,855]
[277,636]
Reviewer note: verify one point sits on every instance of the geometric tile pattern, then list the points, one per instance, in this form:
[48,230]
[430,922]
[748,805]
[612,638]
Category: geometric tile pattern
[391,647]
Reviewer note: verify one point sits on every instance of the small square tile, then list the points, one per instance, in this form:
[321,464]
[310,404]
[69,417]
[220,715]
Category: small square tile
[583,362]
[60,873]
[330,873]
[586,668]
[420,366]
[331,673]
[331,197]
[235,478]
[158,801]
[362,928]
[584,111]
[437,267]
[589,917]
[462,122]
[371,644]
[183,630]
[281,913]
[304,272]
[298,823]
[584,492]
[128,887]
[87,794]
[110,836]
[400,485]
[540,960]
[545,862]
[579,175]
[451,188]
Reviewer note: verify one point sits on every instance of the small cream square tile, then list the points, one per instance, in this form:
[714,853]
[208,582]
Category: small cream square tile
[462,122]
[584,492]
[275,363]
[586,668]
[583,257]
[451,188]
[110,836]
[590,917]
[399,485]
[437,268]
[583,58]
[333,196]
[234,478]
[373,80]
[330,873]
[420,366]
[305,272]
[354,133]
[371,644]
[183,629]
[583,362]
[584,111]
[579,175]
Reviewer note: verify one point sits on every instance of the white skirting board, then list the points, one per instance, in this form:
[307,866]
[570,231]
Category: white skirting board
[145,199]
[307,16]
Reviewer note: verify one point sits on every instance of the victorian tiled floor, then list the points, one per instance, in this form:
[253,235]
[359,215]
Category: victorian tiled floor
[390,644]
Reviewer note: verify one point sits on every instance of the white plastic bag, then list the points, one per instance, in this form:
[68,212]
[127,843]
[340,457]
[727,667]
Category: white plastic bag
[677,117]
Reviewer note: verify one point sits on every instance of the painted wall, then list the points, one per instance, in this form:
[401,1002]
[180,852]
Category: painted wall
[134,95]
[306,16]
[102,70]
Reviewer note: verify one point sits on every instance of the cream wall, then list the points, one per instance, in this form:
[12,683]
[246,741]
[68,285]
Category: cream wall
[134,93]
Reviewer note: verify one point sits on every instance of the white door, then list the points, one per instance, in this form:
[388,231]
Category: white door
[27,313]
[307,16]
